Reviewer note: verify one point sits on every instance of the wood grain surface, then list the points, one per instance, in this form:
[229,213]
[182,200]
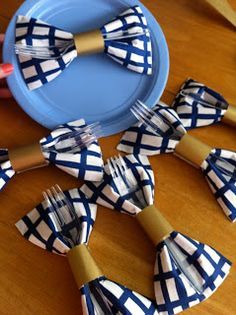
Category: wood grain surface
[32,281]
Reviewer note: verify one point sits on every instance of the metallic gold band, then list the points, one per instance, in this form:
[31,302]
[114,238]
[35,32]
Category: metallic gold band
[230,116]
[27,157]
[83,265]
[154,223]
[91,42]
[192,150]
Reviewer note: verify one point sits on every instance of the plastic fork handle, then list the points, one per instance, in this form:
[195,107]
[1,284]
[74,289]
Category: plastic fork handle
[230,116]
[154,224]
[83,265]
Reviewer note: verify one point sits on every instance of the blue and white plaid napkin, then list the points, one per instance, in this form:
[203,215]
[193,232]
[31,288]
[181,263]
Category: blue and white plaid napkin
[174,293]
[84,164]
[219,168]
[197,105]
[38,229]
[134,52]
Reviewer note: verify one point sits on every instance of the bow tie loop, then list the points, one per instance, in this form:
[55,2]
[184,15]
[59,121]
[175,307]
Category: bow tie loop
[207,269]
[179,272]
[126,40]
[155,136]
[143,139]
[72,147]
[65,229]
[198,105]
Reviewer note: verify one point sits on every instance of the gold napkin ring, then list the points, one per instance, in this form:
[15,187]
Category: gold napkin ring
[83,265]
[192,150]
[27,157]
[230,116]
[154,224]
[91,42]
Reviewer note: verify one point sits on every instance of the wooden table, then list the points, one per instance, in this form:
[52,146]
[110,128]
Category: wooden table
[33,281]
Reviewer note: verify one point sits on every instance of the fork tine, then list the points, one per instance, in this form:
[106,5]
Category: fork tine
[62,213]
[140,116]
[53,214]
[65,202]
[56,207]
[119,166]
[123,168]
[122,162]
[113,162]
[111,168]
[148,111]
[130,180]
[44,52]
[145,115]
[114,166]
[144,108]
[151,112]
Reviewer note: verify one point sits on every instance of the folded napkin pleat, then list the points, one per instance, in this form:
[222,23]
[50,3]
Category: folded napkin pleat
[198,105]
[174,293]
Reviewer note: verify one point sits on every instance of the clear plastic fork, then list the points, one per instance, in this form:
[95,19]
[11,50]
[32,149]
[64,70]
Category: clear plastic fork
[125,181]
[77,140]
[156,123]
[62,215]
[44,52]
[67,224]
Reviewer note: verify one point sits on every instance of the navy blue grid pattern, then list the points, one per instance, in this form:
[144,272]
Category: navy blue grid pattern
[120,299]
[139,140]
[134,53]
[6,173]
[198,105]
[84,164]
[173,291]
[6,170]
[37,72]
[106,192]
[37,226]
[220,171]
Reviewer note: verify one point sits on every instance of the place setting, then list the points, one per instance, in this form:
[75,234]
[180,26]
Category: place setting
[87,70]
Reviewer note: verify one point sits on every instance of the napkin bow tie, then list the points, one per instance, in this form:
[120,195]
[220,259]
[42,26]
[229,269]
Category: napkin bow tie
[186,271]
[197,105]
[60,148]
[44,50]
[218,166]
[99,295]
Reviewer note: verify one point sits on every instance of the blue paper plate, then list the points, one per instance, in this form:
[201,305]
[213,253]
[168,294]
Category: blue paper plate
[93,87]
